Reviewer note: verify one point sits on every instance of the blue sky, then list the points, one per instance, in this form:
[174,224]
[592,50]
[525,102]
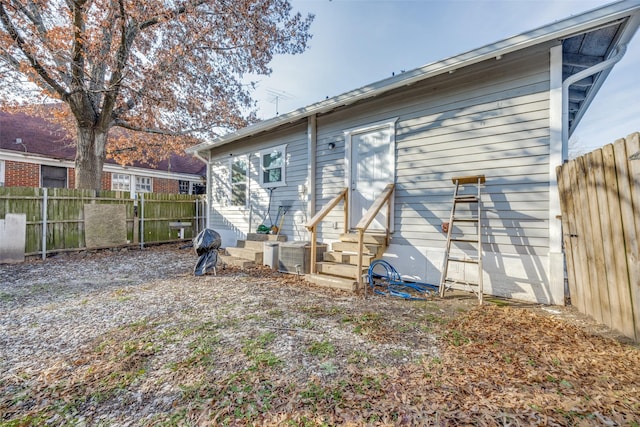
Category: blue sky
[357,42]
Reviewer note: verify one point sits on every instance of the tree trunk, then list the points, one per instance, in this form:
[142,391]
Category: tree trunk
[90,156]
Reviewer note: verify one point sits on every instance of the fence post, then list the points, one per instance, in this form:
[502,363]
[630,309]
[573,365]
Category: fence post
[205,213]
[197,218]
[141,220]
[45,202]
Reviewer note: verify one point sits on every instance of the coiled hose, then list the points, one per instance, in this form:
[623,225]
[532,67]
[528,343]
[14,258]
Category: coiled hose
[389,283]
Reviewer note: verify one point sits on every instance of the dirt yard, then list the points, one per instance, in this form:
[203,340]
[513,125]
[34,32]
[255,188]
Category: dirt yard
[132,338]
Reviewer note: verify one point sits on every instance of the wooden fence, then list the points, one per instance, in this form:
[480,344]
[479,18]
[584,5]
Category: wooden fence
[56,221]
[600,201]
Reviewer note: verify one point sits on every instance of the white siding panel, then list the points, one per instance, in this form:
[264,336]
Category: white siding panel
[491,119]
[236,221]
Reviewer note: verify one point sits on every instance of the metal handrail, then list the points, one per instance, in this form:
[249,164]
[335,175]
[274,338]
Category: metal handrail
[312,225]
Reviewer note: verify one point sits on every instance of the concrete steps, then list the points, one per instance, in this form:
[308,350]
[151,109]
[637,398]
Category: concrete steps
[257,237]
[235,261]
[251,244]
[249,252]
[246,253]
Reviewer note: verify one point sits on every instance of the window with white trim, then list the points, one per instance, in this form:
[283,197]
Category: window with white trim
[120,182]
[1,173]
[273,166]
[144,184]
[238,181]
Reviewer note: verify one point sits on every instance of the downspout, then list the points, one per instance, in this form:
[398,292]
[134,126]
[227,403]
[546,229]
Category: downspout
[312,140]
[559,152]
[621,50]
[209,189]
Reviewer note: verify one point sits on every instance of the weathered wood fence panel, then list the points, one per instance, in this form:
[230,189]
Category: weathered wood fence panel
[600,201]
[55,216]
[162,210]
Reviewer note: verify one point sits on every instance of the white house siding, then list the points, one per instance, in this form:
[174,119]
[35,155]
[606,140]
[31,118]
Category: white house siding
[491,119]
[234,222]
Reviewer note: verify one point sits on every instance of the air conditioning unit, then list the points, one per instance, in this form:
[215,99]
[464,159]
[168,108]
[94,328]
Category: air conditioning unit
[295,257]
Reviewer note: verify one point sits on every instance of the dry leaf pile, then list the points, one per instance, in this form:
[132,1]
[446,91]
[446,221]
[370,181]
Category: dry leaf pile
[133,339]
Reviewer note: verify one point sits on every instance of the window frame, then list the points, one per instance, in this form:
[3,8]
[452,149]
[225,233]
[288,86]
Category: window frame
[114,174]
[283,167]
[138,188]
[184,183]
[232,161]
[2,173]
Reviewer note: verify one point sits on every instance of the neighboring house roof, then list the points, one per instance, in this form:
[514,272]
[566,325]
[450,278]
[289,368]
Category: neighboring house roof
[588,38]
[32,135]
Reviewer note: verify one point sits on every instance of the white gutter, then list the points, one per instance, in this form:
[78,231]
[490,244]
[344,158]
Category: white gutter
[621,50]
[312,140]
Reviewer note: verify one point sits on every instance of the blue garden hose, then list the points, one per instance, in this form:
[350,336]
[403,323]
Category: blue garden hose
[390,283]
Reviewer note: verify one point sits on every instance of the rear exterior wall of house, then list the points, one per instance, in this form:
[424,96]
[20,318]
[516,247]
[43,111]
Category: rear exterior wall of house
[490,118]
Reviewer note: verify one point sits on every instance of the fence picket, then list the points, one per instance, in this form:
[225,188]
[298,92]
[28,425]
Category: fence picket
[620,298]
[600,201]
[599,220]
[590,299]
[568,229]
[633,248]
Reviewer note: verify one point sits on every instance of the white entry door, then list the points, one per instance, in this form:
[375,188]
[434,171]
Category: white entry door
[371,156]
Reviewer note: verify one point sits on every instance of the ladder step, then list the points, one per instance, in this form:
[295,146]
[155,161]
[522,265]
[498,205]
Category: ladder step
[473,199]
[452,281]
[467,260]
[469,179]
[460,239]
[456,219]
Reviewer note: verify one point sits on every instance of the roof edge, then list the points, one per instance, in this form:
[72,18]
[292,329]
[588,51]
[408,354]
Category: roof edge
[39,159]
[556,30]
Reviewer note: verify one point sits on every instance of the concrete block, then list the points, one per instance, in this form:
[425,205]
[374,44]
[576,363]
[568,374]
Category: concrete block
[105,225]
[13,235]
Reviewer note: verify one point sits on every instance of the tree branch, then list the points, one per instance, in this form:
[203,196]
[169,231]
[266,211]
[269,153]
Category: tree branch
[186,132]
[163,17]
[127,35]
[125,125]
[77,63]
[35,64]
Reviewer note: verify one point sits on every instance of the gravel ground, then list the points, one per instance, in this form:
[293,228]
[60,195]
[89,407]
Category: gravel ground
[132,338]
[53,314]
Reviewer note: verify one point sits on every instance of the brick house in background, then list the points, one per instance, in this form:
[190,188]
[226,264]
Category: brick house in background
[34,153]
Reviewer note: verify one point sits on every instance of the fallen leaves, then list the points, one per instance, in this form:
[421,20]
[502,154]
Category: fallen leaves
[261,348]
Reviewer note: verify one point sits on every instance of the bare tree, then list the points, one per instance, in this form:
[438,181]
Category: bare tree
[164,71]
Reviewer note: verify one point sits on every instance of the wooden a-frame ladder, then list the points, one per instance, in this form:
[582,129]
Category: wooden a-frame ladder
[462,234]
